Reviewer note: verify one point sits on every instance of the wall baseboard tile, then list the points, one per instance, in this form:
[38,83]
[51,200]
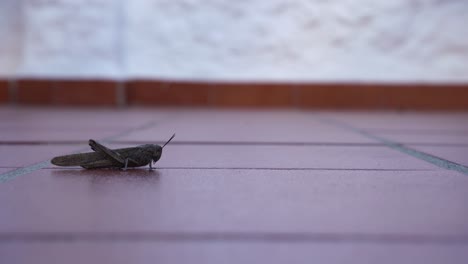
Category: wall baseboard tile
[366,96]
[4,87]
[67,92]
[376,96]
[385,96]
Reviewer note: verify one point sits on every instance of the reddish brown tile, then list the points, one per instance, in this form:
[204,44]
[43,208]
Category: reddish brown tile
[160,93]
[45,252]
[35,92]
[55,92]
[4,96]
[338,96]
[252,95]
[384,96]
[95,93]
[208,94]
[225,94]
[425,97]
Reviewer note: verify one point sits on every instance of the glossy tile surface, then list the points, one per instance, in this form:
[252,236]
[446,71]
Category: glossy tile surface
[429,202]
[248,186]
[253,127]
[228,252]
[25,155]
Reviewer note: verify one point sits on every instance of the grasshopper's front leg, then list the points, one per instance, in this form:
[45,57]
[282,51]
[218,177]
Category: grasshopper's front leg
[150,166]
[126,164]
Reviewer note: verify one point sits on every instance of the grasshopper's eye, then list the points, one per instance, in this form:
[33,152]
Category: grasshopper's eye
[157,155]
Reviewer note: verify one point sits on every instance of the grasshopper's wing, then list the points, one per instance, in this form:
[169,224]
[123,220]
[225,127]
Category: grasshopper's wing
[103,163]
[114,155]
[91,160]
[78,159]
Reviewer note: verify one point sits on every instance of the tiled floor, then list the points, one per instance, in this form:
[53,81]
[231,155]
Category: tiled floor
[237,187]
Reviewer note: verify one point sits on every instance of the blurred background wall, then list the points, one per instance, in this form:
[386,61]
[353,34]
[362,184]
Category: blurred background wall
[338,54]
[256,40]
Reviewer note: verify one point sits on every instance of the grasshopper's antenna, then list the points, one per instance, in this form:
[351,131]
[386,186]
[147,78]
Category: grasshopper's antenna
[168,140]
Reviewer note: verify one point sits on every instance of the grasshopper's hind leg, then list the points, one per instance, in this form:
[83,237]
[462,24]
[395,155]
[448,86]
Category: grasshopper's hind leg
[113,155]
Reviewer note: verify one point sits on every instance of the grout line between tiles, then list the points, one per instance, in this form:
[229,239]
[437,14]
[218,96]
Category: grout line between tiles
[197,143]
[278,237]
[222,143]
[287,169]
[120,94]
[243,168]
[9,175]
[431,132]
[437,161]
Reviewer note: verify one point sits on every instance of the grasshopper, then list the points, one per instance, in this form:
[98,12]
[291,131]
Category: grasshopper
[103,157]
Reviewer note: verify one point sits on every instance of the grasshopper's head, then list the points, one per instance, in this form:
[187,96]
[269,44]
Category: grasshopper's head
[157,152]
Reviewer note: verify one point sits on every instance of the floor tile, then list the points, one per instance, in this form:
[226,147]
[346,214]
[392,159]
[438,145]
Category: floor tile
[247,126]
[246,201]
[31,129]
[48,135]
[235,186]
[24,155]
[232,156]
[400,120]
[286,157]
[337,157]
[222,252]
[78,118]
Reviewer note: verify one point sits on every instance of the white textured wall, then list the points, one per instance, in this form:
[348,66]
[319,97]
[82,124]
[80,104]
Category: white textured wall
[10,36]
[71,38]
[288,40]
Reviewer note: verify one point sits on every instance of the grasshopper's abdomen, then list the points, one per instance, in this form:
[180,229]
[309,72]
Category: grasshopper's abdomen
[77,159]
